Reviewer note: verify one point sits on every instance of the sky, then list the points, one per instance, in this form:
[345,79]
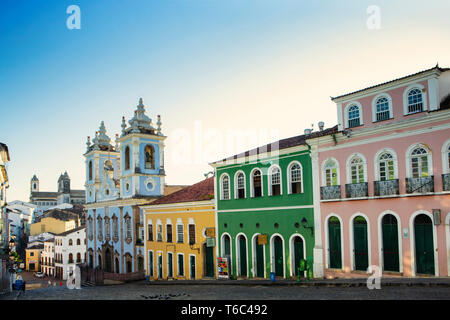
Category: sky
[225,76]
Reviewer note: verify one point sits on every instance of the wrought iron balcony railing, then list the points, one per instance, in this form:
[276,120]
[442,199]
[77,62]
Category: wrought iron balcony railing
[330,192]
[386,188]
[446,182]
[420,185]
[356,190]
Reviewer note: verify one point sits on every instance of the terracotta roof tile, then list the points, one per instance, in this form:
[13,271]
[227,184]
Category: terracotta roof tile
[203,190]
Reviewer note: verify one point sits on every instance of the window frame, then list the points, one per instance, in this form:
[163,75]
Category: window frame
[375,104]
[346,114]
[406,100]
[349,169]
[289,177]
[236,184]
[222,195]
[408,158]
[270,183]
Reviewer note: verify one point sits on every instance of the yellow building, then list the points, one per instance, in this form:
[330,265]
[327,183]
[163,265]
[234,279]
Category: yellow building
[33,257]
[55,221]
[176,241]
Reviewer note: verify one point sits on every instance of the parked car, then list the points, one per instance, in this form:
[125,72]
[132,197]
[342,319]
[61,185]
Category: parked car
[39,274]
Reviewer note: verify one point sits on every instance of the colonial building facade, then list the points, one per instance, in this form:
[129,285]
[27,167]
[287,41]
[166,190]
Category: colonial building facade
[265,216]
[178,239]
[119,179]
[69,250]
[44,200]
[383,179]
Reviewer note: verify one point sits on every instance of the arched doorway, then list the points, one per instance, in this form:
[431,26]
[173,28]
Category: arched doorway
[226,245]
[91,260]
[242,255]
[360,244]
[117,268]
[423,238]
[277,256]
[100,262]
[389,229]
[297,254]
[258,258]
[128,266]
[108,259]
[334,243]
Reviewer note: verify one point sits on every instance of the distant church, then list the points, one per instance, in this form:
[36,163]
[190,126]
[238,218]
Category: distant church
[119,178]
[44,200]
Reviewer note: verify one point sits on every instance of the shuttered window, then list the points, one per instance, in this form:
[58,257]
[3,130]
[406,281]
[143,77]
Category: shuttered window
[150,232]
[180,233]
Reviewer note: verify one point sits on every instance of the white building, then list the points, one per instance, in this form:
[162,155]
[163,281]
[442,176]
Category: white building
[70,249]
[48,258]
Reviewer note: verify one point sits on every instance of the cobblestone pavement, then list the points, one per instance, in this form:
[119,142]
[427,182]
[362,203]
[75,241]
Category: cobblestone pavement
[142,291]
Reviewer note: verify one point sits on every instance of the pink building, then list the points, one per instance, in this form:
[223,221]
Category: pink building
[382,188]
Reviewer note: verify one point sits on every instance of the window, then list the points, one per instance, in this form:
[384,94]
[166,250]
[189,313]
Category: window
[386,166]
[115,227]
[107,228]
[257,183]
[128,227]
[149,157]
[331,173]
[159,233]
[357,170]
[127,158]
[240,186]
[70,258]
[100,228]
[275,181]
[90,170]
[295,178]
[191,233]
[180,233]
[169,232]
[382,109]
[225,185]
[91,228]
[180,263]
[419,163]
[70,242]
[415,101]
[150,232]
[353,116]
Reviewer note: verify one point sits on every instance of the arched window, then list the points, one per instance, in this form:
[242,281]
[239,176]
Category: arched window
[115,227]
[331,173]
[295,178]
[78,242]
[128,227]
[239,182]
[78,257]
[386,165]
[70,242]
[382,109]
[127,158]
[275,181]
[225,187]
[149,157]
[107,228]
[354,118]
[415,101]
[357,170]
[100,228]
[256,183]
[419,163]
[90,170]
[70,258]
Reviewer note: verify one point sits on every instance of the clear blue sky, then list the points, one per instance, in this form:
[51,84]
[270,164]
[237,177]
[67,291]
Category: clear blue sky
[230,64]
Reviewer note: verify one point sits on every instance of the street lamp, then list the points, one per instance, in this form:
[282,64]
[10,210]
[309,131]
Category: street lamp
[305,225]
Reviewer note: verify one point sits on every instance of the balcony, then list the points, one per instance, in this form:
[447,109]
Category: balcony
[356,190]
[330,192]
[446,182]
[386,188]
[420,185]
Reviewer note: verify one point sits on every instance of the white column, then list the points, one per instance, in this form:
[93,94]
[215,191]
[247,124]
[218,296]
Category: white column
[433,94]
[318,248]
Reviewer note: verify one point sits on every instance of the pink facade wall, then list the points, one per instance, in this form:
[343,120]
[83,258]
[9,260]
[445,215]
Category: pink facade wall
[404,206]
[397,107]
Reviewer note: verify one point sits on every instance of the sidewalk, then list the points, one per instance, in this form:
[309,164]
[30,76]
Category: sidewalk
[357,282]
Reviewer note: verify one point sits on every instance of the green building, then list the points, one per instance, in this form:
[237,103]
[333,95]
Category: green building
[264,210]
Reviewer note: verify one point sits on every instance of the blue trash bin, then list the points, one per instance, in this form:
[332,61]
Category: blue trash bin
[272,276]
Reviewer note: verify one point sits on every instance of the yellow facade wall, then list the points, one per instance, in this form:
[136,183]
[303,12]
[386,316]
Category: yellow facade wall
[202,214]
[33,256]
[52,225]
